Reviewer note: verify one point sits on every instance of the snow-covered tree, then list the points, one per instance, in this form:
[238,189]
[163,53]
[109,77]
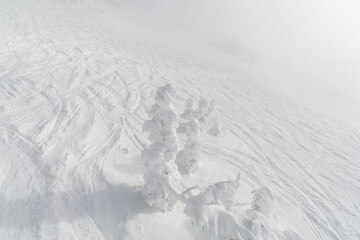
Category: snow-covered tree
[213,120]
[202,120]
[207,116]
[200,115]
[189,110]
[162,178]
[187,159]
[162,184]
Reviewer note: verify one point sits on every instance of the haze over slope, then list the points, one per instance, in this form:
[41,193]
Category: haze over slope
[76,81]
[306,49]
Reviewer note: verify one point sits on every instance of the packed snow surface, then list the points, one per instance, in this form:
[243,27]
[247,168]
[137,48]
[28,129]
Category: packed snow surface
[77,83]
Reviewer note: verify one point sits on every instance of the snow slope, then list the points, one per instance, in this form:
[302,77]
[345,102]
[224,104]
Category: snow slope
[75,85]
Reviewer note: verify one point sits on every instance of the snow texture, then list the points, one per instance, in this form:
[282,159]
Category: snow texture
[77,82]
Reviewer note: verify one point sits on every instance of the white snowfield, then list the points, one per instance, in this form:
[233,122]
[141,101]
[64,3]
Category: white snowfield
[76,85]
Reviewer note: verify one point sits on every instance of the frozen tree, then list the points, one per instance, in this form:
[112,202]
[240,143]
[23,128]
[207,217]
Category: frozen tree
[200,115]
[214,124]
[189,110]
[211,109]
[201,121]
[202,108]
[188,159]
[215,128]
[161,128]
[162,178]
[207,117]
[162,184]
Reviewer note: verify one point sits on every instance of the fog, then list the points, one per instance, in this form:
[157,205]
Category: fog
[310,48]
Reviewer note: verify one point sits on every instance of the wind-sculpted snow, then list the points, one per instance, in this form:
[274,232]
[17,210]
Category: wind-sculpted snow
[76,86]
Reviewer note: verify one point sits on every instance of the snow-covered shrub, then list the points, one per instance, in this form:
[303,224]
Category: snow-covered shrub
[187,159]
[211,209]
[259,219]
[256,218]
[221,193]
[162,182]
[258,225]
[162,178]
